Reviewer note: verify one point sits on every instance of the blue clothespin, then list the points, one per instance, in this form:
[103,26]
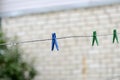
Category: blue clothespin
[54,42]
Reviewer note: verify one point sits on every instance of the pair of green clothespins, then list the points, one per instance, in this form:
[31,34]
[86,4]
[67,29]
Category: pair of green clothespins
[95,37]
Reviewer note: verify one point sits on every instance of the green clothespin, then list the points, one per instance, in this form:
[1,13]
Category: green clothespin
[94,38]
[115,36]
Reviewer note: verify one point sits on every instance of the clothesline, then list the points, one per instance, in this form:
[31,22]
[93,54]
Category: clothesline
[40,40]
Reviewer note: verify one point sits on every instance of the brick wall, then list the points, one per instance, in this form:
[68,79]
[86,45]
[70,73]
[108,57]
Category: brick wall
[77,59]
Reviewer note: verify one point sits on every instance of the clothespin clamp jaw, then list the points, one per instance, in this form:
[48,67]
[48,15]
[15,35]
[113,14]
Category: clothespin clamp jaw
[94,38]
[115,36]
[54,42]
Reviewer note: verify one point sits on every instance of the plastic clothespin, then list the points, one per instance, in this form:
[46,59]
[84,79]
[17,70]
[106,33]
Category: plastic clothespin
[94,38]
[54,42]
[115,36]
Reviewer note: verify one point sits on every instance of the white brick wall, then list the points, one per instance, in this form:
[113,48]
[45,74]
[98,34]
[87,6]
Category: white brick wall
[77,59]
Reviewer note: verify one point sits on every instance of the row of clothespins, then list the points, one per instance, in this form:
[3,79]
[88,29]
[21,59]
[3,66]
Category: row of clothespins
[94,39]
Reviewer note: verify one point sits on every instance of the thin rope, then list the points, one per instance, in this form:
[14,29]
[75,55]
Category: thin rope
[40,40]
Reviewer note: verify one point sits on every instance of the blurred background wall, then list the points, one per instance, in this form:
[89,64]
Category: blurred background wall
[76,59]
